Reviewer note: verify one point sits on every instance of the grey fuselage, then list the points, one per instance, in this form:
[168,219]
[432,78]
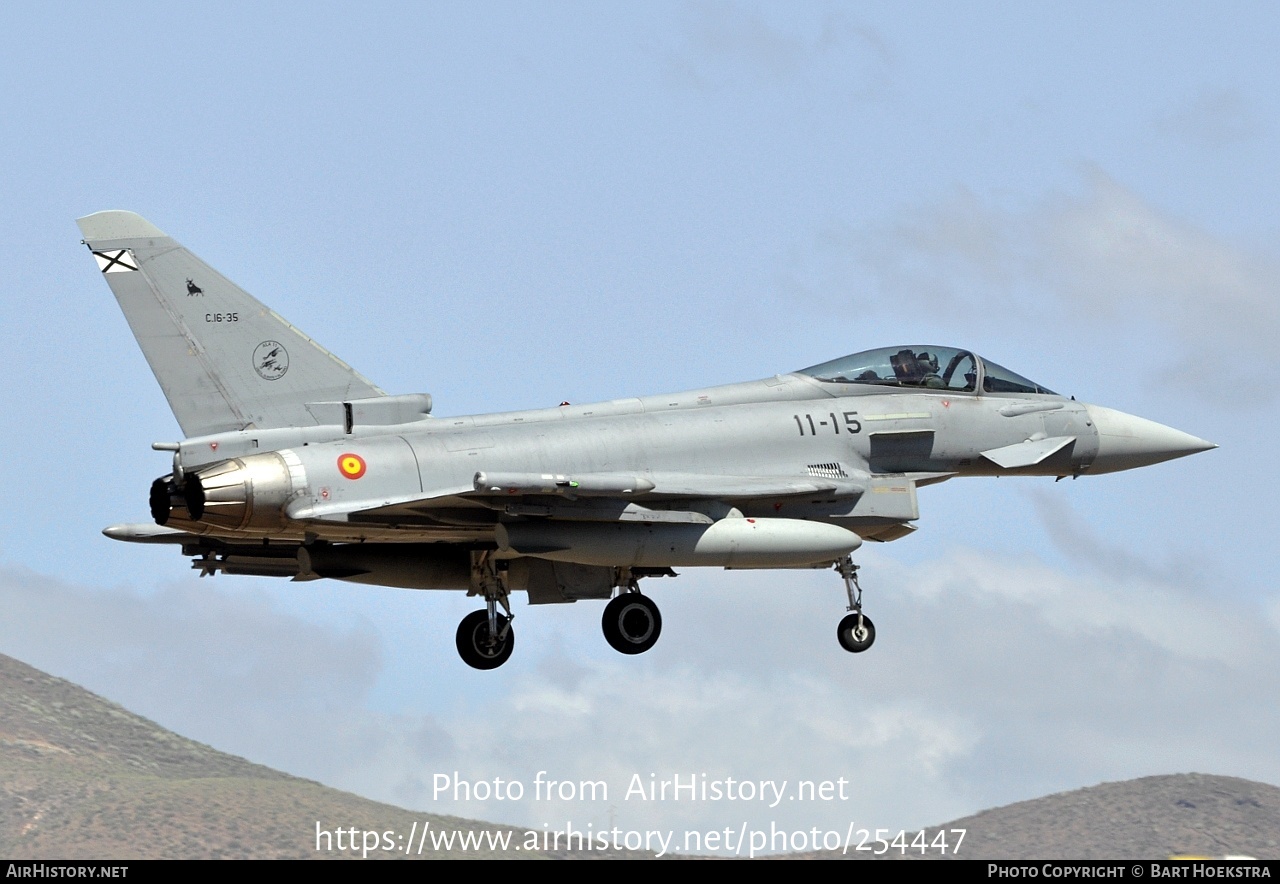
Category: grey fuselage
[699,449]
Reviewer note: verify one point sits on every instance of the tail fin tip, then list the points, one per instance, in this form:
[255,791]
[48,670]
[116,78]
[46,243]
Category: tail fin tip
[116,224]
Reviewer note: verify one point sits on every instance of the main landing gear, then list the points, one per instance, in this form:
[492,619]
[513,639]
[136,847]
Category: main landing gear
[856,632]
[631,622]
[485,638]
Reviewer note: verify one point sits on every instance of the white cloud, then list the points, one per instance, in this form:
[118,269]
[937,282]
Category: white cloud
[1071,607]
[727,44]
[691,721]
[992,680]
[1180,303]
[1213,119]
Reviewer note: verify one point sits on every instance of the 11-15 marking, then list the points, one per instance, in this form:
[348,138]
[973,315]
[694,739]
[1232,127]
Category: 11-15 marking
[851,423]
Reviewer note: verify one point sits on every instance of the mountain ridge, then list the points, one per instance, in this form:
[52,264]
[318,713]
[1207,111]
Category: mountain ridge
[84,778]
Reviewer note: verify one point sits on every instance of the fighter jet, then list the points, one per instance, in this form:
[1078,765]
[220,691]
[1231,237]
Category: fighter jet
[295,465]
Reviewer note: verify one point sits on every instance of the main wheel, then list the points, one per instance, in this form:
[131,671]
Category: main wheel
[477,649]
[631,623]
[852,638]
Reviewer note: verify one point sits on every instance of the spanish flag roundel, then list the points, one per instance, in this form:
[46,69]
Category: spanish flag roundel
[351,465]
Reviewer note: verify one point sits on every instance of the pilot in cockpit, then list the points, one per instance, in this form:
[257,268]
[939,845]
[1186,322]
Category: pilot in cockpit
[935,368]
[916,369]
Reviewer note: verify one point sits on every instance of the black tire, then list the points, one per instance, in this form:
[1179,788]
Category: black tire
[473,641]
[631,623]
[851,639]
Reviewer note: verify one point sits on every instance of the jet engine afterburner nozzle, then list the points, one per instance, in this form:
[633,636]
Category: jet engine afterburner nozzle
[166,501]
[244,492]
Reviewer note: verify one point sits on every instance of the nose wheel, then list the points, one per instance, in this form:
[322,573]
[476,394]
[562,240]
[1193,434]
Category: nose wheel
[856,632]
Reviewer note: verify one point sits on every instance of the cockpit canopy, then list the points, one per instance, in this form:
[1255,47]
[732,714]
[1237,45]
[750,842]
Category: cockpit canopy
[934,368]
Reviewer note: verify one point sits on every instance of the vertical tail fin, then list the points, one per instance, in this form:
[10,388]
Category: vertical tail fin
[223,359]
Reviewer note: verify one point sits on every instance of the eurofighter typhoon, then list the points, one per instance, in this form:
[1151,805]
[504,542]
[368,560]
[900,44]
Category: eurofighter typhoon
[295,465]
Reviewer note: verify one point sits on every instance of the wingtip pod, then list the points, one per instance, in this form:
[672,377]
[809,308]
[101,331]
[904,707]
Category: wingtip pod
[116,224]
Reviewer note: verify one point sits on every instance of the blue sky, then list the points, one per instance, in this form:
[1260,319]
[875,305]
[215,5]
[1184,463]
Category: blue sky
[512,205]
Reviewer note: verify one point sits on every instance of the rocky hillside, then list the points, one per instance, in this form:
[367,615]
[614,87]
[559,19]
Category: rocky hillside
[82,778]
[1146,818]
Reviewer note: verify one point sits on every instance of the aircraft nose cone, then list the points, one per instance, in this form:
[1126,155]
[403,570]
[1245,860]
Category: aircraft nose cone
[1126,441]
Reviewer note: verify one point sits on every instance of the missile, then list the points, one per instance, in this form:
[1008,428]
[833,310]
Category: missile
[594,484]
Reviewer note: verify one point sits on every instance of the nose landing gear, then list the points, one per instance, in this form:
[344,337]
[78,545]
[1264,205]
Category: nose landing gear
[856,632]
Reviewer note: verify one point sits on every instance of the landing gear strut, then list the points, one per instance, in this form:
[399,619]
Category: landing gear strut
[631,622]
[856,632]
[485,638]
